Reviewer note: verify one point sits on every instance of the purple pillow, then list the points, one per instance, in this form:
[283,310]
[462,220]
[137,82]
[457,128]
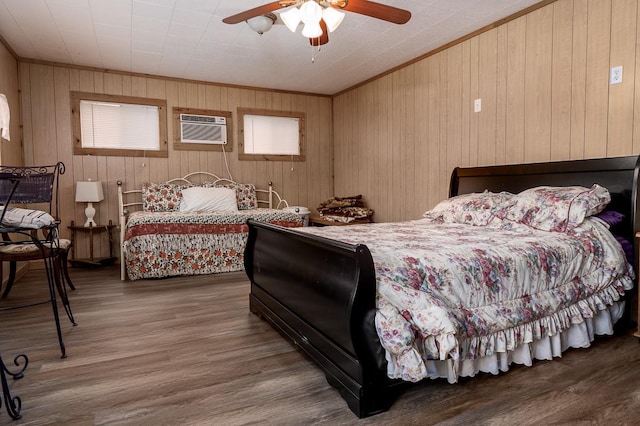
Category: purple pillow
[610,217]
[627,247]
[613,218]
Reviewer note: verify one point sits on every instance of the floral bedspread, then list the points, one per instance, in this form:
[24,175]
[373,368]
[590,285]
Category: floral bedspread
[164,244]
[455,291]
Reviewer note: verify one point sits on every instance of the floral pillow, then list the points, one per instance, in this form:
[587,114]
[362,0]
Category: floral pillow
[558,209]
[161,197]
[476,209]
[246,194]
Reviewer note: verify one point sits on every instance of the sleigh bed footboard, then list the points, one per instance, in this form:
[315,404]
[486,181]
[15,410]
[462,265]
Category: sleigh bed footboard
[320,294]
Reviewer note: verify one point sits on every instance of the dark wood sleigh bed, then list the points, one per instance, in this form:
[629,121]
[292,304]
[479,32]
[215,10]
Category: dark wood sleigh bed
[321,293]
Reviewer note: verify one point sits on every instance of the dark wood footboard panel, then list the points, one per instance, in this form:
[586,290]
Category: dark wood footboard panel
[321,294]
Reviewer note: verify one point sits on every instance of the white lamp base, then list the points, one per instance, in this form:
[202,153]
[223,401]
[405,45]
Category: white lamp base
[90,212]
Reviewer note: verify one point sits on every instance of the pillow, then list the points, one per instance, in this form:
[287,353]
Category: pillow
[161,197]
[201,199]
[26,218]
[474,209]
[245,193]
[557,209]
[610,217]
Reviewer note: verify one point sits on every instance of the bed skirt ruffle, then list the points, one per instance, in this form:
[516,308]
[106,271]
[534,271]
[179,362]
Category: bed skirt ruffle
[577,335]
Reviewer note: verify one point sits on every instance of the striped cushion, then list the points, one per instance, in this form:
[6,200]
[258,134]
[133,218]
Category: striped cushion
[26,218]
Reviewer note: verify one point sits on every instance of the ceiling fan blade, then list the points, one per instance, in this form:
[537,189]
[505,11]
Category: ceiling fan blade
[252,13]
[324,38]
[376,10]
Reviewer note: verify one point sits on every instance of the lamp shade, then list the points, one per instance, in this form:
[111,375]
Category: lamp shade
[89,192]
[311,13]
[291,18]
[332,18]
[312,30]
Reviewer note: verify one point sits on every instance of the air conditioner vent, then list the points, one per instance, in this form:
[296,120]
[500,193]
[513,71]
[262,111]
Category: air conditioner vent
[203,129]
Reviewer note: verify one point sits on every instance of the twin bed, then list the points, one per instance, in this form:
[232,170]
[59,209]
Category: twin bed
[523,262]
[192,225]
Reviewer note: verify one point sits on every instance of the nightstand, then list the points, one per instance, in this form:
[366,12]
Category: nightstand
[92,262]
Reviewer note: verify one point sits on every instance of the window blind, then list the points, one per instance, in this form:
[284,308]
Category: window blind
[271,135]
[119,126]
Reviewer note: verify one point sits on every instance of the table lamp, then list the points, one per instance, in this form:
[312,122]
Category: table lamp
[89,192]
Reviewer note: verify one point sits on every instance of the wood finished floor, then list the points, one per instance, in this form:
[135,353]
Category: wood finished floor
[186,351]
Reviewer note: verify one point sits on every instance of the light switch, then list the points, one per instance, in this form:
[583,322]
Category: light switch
[477,105]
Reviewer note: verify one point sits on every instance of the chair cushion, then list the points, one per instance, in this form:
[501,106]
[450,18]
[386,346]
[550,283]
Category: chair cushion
[64,244]
[30,248]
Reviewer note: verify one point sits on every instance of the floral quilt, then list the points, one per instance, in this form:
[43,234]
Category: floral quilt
[449,291]
[164,244]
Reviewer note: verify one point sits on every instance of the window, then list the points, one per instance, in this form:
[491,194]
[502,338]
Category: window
[118,125]
[270,135]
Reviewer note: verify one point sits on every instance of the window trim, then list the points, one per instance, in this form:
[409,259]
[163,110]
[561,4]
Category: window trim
[76,97]
[273,113]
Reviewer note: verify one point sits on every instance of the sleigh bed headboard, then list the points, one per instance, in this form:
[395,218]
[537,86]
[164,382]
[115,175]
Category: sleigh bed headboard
[619,175]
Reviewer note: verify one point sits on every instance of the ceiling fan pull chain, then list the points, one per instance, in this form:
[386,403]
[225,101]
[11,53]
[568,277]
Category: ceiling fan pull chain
[313,59]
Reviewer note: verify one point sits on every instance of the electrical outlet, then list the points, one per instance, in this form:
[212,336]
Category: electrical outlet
[616,75]
[477,105]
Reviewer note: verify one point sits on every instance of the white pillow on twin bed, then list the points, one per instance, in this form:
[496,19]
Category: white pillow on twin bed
[200,199]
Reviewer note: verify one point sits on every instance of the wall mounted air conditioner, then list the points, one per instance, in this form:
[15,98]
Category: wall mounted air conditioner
[203,129]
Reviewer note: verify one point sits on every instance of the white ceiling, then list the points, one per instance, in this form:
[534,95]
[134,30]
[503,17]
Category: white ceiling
[187,39]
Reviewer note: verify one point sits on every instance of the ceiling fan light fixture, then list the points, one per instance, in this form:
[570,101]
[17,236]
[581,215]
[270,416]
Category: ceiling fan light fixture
[310,13]
[291,18]
[261,24]
[312,30]
[332,18]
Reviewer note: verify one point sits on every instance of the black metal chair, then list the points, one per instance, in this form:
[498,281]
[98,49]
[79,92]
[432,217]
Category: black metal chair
[12,404]
[29,234]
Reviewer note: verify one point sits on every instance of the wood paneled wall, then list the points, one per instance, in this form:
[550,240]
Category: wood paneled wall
[46,112]
[543,79]
[544,83]
[11,152]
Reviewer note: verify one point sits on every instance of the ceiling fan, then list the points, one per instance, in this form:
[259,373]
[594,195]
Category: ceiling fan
[320,35]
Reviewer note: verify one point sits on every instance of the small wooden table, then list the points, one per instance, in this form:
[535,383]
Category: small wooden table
[92,262]
[319,221]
